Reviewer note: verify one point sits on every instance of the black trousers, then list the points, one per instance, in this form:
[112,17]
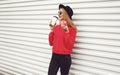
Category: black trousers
[59,61]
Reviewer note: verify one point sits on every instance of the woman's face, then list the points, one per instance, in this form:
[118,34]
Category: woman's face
[60,14]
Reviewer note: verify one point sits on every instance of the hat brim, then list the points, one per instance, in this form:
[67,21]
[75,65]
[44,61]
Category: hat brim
[62,6]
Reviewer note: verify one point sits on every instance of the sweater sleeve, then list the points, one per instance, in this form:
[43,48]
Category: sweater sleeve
[69,38]
[51,37]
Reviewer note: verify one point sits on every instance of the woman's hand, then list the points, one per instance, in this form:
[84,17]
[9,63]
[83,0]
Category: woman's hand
[51,26]
[64,25]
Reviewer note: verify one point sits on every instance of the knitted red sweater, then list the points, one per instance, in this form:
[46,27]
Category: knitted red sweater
[62,41]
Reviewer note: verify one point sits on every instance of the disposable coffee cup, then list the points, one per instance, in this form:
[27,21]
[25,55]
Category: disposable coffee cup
[54,20]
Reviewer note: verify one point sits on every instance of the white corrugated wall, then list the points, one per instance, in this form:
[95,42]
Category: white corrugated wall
[24,48]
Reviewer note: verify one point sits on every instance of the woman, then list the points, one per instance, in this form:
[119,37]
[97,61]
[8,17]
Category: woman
[62,38]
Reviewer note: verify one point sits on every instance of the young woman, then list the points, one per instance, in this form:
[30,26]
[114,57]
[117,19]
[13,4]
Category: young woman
[62,38]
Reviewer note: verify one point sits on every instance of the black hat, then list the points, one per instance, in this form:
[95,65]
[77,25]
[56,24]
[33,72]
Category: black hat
[68,10]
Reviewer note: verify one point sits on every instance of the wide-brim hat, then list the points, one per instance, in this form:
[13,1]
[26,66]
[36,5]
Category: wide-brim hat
[68,9]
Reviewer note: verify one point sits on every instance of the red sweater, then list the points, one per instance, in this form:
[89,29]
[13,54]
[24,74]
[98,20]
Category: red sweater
[62,41]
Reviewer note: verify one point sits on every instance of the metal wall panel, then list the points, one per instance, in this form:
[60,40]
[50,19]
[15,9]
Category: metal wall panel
[24,29]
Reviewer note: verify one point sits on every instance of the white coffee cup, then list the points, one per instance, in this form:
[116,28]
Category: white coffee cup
[54,20]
